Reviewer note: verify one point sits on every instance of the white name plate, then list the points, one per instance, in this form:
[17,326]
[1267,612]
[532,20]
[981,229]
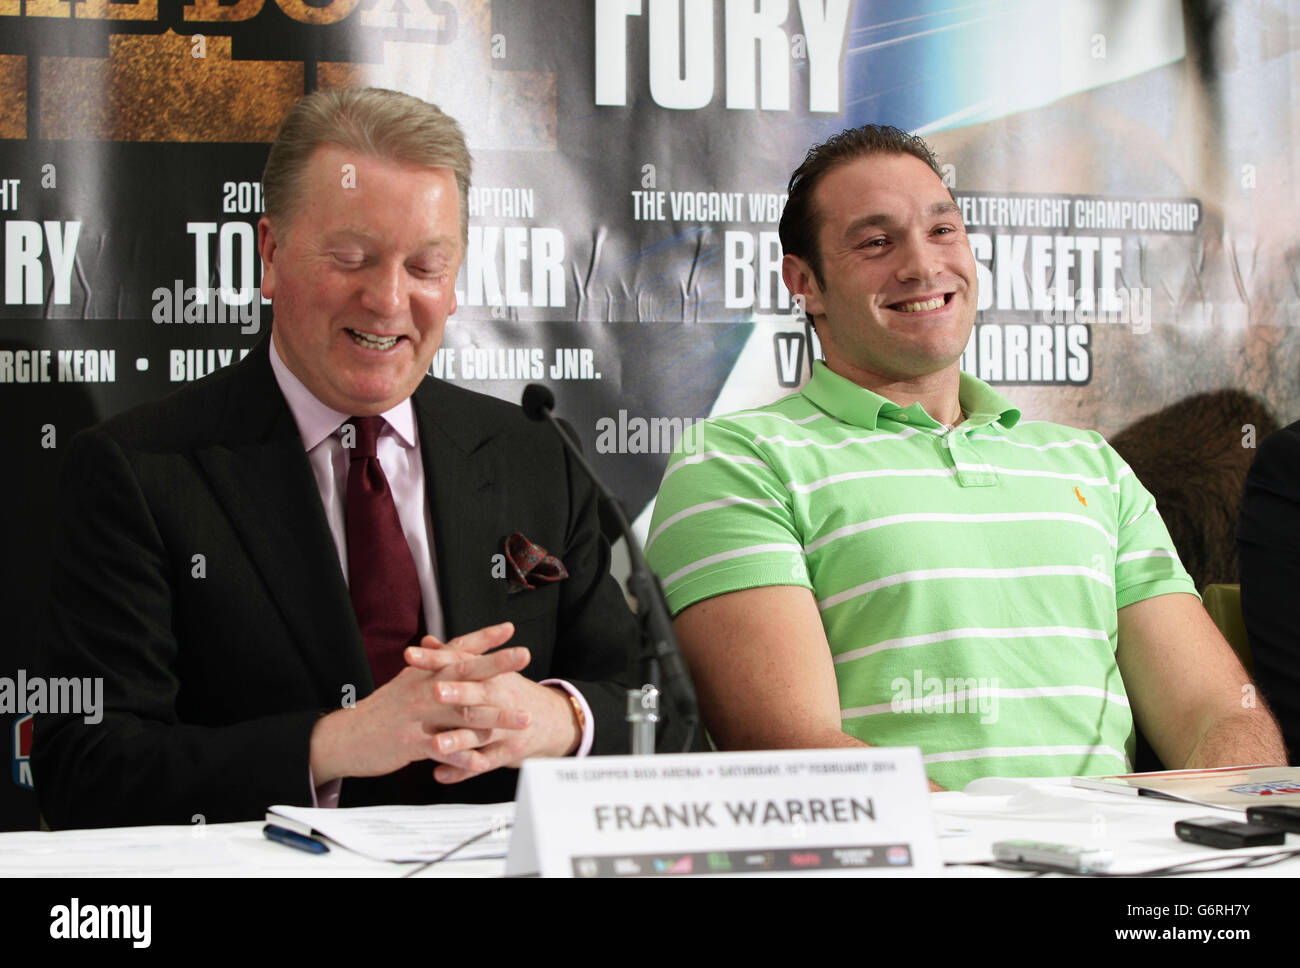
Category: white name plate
[841,812]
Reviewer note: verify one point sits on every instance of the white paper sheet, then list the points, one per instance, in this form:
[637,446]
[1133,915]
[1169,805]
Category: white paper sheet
[400,833]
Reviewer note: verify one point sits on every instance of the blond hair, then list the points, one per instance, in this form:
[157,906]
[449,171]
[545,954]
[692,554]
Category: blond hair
[370,120]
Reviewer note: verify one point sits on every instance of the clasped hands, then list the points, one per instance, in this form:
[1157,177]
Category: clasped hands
[454,703]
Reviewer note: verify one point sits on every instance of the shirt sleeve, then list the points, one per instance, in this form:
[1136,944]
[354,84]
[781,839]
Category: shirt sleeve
[723,520]
[588,720]
[326,795]
[1146,562]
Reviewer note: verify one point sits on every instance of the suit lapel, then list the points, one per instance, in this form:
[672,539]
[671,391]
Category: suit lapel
[263,481]
[463,468]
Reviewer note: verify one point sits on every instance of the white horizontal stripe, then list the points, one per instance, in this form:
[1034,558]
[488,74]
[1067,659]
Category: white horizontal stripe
[813,442]
[779,416]
[711,455]
[992,751]
[1135,555]
[861,475]
[932,574]
[947,635]
[944,472]
[708,506]
[1042,692]
[966,698]
[727,556]
[1091,444]
[850,529]
[1141,514]
[1017,472]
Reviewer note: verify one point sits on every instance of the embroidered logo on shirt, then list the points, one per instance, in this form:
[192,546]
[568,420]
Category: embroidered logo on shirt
[1082,500]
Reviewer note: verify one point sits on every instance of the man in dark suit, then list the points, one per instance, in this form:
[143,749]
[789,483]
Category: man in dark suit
[1268,542]
[212,567]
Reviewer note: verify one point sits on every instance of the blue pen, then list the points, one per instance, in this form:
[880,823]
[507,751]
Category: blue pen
[290,838]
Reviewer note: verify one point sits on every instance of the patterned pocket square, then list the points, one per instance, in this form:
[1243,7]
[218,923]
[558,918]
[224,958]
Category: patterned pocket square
[531,561]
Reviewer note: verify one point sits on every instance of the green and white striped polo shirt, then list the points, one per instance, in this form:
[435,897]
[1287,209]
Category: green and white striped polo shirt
[968,579]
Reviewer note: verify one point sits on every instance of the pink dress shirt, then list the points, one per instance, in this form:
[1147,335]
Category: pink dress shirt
[398,450]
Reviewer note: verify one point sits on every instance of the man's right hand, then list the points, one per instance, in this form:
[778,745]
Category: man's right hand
[401,721]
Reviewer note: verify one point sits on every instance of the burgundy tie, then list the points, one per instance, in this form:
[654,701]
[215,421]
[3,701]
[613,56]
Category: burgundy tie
[381,573]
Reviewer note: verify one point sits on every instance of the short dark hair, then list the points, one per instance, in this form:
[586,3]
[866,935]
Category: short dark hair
[800,222]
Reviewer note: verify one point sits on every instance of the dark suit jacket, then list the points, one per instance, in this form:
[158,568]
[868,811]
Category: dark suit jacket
[1268,542]
[194,571]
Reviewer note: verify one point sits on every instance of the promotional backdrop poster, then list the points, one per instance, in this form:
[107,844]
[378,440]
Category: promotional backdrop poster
[1126,173]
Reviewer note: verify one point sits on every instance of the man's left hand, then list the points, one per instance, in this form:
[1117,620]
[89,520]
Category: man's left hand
[467,752]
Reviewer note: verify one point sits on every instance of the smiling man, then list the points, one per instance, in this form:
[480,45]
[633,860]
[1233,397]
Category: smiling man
[892,557]
[293,576]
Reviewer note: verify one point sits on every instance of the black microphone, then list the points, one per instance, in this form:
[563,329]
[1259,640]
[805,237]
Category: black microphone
[538,401]
[659,644]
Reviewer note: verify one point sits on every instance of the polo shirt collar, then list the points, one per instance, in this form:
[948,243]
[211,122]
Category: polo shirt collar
[984,405]
[844,399]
